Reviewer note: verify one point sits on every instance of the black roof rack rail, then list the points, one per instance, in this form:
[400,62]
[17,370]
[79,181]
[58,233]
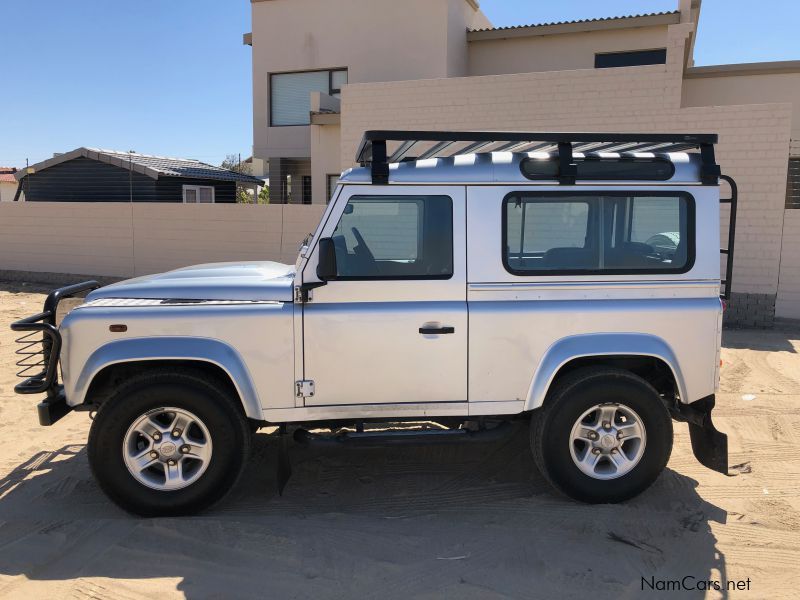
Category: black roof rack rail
[373,151]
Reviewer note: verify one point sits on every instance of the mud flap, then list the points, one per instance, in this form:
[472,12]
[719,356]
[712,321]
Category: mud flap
[284,471]
[710,446]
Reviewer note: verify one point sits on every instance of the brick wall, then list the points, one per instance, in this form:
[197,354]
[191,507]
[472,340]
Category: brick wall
[754,139]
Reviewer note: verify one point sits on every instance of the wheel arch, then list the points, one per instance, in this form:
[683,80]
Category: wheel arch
[209,355]
[612,349]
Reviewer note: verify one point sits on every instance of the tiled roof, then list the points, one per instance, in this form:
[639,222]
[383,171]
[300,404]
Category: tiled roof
[152,166]
[7,175]
[512,27]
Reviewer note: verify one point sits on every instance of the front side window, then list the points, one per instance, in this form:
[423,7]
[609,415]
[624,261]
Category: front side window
[290,94]
[637,232]
[395,237]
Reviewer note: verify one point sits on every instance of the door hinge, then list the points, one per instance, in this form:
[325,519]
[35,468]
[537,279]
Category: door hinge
[303,293]
[305,388]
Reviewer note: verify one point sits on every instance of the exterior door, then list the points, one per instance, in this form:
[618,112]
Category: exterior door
[392,326]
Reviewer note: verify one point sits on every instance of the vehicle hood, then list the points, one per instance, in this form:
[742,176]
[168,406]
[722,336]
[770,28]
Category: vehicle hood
[250,281]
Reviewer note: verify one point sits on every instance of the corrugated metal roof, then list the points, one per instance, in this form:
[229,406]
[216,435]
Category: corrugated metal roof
[152,166]
[579,21]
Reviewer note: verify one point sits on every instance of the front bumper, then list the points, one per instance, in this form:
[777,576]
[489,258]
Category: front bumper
[710,446]
[39,352]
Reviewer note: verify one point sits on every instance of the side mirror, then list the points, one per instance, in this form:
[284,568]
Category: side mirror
[326,268]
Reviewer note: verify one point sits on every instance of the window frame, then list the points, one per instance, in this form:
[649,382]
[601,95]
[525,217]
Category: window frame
[331,90]
[196,188]
[691,231]
[420,242]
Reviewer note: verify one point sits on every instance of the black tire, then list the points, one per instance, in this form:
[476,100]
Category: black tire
[187,389]
[572,396]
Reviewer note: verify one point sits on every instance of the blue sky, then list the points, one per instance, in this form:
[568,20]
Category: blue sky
[171,77]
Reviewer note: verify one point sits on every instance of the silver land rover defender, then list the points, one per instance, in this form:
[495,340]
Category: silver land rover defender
[465,279]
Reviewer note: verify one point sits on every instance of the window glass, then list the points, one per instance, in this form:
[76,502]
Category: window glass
[793,184]
[333,181]
[608,168]
[630,59]
[290,96]
[395,237]
[589,233]
[206,195]
[338,81]
[190,195]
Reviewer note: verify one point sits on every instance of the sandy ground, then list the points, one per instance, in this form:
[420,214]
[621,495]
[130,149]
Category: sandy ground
[464,521]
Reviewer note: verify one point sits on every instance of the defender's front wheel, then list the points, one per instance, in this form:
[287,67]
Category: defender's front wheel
[604,435]
[168,443]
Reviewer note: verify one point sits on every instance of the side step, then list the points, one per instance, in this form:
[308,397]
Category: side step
[408,437]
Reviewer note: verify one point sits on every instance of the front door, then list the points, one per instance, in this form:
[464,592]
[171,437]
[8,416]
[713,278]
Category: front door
[392,326]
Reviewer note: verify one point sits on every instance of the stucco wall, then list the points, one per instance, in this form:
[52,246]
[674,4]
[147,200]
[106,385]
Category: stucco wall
[325,159]
[376,40]
[125,240]
[561,52]
[7,191]
[753,147]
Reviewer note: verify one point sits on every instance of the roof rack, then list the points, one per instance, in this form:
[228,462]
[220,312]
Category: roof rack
[373,151]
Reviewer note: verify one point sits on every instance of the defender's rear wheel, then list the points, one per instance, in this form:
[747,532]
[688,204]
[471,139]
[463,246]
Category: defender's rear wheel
[168,443]
[604,435]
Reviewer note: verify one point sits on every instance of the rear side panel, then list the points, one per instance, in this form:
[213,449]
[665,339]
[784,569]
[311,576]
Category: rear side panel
[515,319]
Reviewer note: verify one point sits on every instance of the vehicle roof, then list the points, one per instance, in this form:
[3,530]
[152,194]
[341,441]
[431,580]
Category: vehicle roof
[506,168]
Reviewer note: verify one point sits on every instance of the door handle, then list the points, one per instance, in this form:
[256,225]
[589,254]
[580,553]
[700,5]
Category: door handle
[437,330]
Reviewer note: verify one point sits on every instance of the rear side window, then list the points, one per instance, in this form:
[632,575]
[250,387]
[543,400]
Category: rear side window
[395,237]
[591,233]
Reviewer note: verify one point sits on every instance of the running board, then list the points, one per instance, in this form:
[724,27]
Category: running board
[404,437]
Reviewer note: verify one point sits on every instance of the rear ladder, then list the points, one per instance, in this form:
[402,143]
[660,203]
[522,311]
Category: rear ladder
[727,282]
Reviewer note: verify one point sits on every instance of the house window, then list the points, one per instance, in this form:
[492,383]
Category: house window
[635,58]
[198,194]
[333,181]
[793,184]
[307,195]
[290,94]
[598,233]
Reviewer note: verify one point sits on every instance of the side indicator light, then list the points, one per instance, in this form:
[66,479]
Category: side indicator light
[119,328]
